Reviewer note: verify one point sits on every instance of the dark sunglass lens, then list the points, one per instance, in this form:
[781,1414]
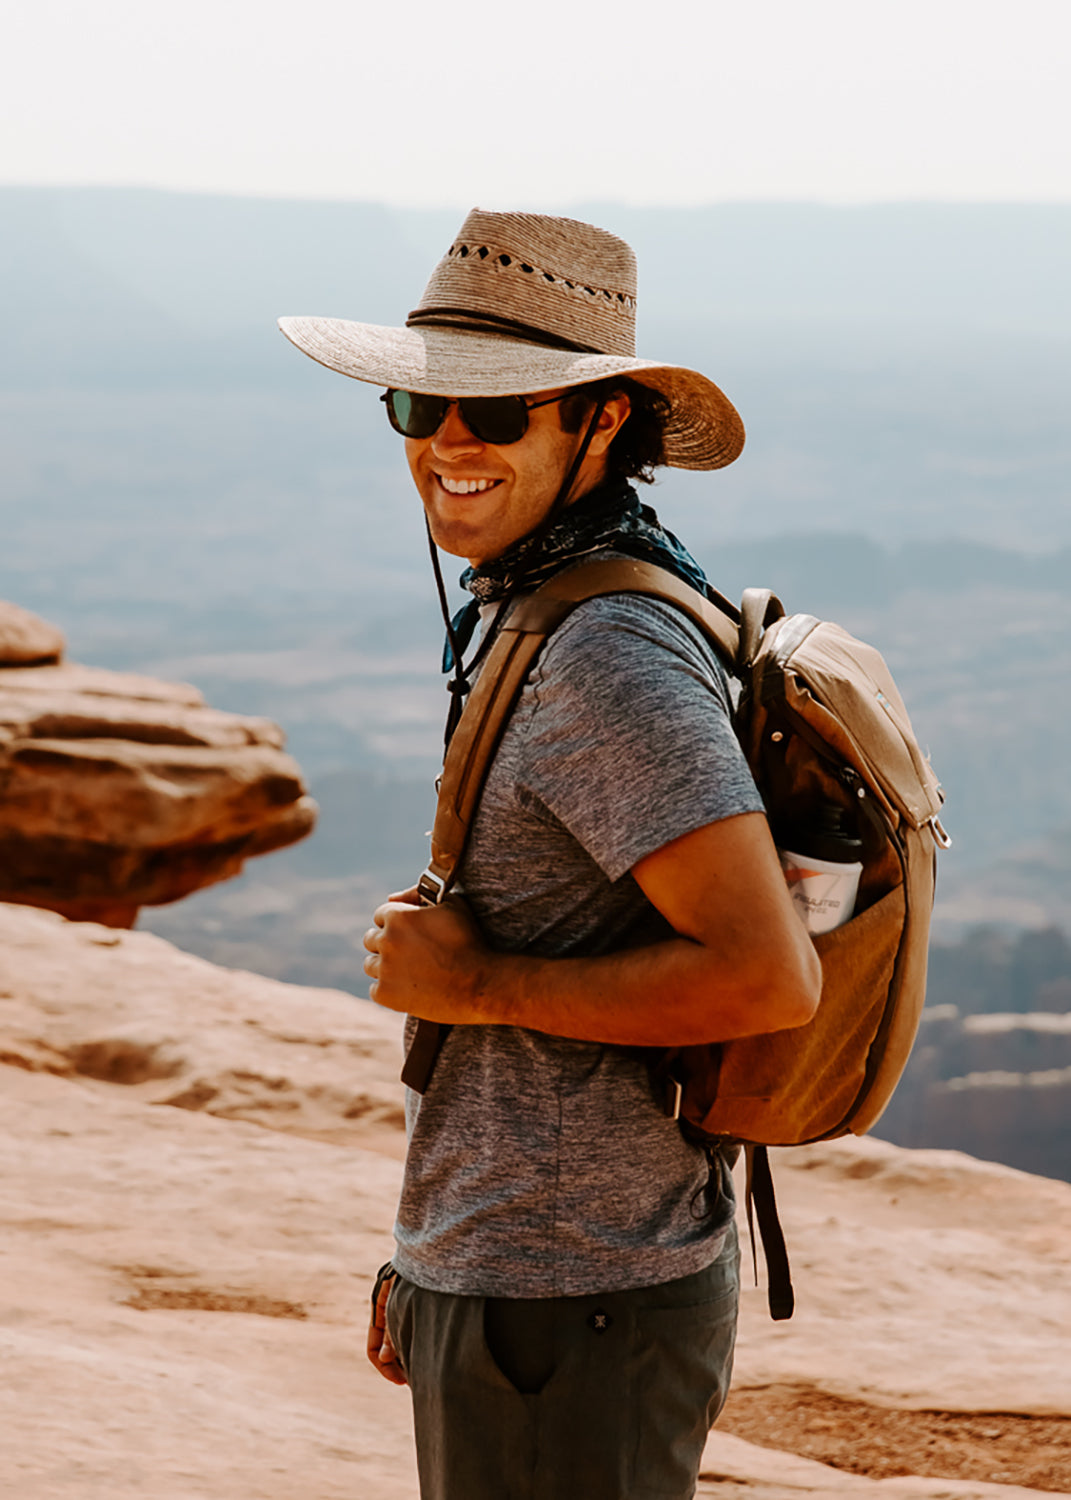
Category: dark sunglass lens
[414,415]
[495,419]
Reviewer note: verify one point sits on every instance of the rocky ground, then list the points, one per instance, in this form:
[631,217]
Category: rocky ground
[199,1174]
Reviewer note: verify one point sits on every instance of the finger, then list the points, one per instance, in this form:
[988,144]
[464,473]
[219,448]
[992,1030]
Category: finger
[411,897]
[380,1347]
[392,1369]
[371,963]
[394,1373]
[371,939]
[379,916]
[380,1314]
[389,1363]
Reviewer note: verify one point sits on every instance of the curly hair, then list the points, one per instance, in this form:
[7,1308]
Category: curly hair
[639,446]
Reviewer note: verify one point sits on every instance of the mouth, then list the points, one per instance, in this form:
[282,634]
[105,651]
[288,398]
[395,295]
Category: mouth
[466,486]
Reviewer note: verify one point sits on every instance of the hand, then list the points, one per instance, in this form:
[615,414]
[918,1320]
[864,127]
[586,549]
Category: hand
[381,1352]
[430,961]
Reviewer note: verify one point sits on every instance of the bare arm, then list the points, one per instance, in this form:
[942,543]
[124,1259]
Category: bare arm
[741,963]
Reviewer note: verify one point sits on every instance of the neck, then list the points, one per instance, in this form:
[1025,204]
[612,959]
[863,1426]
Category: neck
[602,506]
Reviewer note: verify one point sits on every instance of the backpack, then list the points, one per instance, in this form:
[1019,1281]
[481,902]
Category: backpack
[819,719]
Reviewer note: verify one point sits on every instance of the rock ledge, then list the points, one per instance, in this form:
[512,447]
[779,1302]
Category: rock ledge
[119,791]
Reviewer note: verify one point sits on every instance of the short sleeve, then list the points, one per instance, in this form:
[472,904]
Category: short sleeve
[630,744]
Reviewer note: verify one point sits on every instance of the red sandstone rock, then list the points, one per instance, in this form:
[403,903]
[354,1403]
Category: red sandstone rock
[119,791]
[25,638]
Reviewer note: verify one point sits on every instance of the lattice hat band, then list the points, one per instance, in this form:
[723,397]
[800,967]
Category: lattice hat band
[522,303]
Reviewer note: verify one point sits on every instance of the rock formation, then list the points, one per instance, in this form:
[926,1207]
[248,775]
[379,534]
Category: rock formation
[118,791]
[27,640]
[199,1177]
[998,1086]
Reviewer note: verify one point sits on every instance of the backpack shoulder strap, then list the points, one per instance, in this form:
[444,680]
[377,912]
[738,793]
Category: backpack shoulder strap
[759,608]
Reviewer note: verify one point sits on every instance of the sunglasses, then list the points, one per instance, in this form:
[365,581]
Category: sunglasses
[492,419]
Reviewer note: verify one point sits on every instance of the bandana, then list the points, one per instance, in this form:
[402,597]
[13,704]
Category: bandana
[610,516]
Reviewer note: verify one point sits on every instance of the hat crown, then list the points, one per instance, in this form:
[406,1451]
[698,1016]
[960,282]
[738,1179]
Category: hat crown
[547,280]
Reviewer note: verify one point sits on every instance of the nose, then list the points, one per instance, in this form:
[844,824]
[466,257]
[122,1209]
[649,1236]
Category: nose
[453,437]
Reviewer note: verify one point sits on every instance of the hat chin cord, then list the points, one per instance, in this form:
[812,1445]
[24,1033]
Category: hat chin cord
[458,686]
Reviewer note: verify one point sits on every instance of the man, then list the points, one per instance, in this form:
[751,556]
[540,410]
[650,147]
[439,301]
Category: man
[562,1299]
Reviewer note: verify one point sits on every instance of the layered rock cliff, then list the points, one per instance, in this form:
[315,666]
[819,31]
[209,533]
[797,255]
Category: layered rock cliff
[119,791]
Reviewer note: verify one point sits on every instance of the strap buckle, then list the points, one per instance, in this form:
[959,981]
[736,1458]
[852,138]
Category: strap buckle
[671,1098]
[940,837]
[431,888]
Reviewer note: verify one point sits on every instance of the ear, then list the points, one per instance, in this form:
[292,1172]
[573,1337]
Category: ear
[612,418]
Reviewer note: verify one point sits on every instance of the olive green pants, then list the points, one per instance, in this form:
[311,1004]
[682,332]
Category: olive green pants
[608,1397]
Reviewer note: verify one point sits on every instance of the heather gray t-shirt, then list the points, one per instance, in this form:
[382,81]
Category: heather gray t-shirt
[540,1166]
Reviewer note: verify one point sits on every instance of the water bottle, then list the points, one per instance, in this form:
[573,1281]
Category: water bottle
[821,856]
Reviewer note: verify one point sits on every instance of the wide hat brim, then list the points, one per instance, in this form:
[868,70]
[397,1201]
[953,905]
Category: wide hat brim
[703,431]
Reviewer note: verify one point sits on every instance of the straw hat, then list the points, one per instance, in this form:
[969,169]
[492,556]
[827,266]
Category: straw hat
[522,303]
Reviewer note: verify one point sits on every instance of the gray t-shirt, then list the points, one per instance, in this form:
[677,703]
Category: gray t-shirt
[540,1166]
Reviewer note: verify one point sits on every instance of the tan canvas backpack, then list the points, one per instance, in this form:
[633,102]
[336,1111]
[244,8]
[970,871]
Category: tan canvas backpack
[820,720]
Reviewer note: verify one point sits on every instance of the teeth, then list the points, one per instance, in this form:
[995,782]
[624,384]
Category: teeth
[466,486]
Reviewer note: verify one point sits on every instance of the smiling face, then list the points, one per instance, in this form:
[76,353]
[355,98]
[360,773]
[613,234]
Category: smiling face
[480,498]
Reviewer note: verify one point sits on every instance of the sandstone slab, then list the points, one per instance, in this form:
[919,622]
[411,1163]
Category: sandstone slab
[181,1306]
[736,1470]
[951,1273]
[182,1292]
[159,1026]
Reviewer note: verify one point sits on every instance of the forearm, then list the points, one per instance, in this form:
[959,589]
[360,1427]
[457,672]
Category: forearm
[740,965]
[433,963]
[673,993]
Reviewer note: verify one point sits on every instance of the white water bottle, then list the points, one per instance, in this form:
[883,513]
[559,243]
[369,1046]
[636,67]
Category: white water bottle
[822,862]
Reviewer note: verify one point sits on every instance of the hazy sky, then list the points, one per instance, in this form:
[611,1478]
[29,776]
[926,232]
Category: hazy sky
[543,104]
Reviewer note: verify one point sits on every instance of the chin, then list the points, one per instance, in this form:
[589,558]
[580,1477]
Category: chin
[454,541]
